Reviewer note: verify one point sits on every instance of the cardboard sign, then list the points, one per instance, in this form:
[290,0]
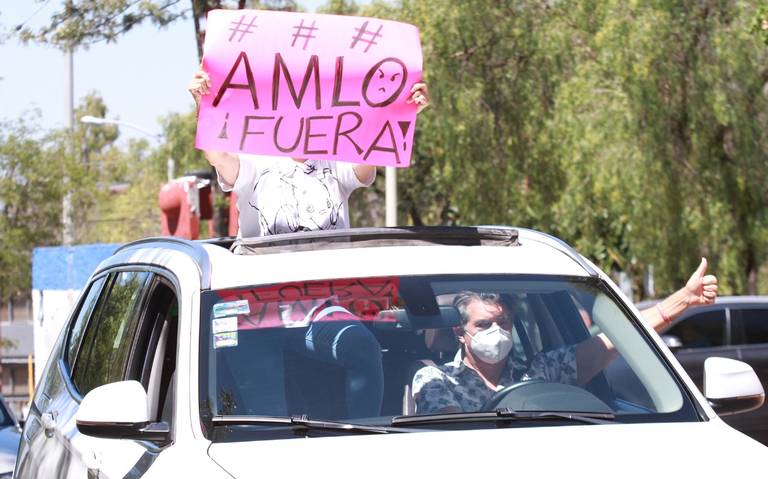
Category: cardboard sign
[310,86]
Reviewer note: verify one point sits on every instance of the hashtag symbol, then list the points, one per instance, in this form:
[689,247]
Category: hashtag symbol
[372,36]
[241,28]
[303,32]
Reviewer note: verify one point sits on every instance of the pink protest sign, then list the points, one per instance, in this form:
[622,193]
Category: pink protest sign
[310,86]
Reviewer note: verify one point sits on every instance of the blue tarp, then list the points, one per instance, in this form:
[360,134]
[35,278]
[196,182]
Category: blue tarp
[67,267]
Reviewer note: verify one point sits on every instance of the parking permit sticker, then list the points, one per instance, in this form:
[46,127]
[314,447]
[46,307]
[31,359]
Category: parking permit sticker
[224,340]
[222,325]
[231,308]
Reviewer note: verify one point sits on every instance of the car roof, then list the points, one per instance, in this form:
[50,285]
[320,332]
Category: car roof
[370,252]
[722,301]
[731,300]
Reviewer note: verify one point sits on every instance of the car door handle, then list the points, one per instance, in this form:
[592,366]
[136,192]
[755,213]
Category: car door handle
[49,422]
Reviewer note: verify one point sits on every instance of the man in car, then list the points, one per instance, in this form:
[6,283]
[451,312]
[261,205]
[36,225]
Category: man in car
[484,366]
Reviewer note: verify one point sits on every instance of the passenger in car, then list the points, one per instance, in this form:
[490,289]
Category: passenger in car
[337,336]
[328,333]
[483,365]
[276,195]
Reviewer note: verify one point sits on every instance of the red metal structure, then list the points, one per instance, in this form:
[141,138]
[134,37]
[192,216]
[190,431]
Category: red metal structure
[187,200]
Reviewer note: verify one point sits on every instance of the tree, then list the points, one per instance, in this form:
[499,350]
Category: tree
[492,86]
[634,131]
[340,7]
[760,24]
[30,203]
[32,165]
[81,23]
[692,98]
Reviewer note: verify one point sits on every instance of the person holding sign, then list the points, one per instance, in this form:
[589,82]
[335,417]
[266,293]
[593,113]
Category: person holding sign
[336,94]
[283,195]
[280,97]
[276,195]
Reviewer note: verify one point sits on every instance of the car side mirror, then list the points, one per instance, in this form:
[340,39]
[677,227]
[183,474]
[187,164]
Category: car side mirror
[672,342]
[120,411]
[731,386]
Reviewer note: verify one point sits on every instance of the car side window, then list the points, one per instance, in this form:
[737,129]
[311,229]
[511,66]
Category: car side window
[83,316]
[153,357]
[106,344]
[702,330]
[754,325]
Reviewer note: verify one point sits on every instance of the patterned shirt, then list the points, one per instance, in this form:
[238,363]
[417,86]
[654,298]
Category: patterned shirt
[456,385]
[278,195]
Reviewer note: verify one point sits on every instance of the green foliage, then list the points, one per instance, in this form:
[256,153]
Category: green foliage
[129,210]
[760,24]
[81,23]
[179,144]
[84,22]
[340,7]
[30,200]
[37,168]
[633,130]
[132,212]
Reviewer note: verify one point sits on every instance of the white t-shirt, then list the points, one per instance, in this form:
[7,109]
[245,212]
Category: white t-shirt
[278,195]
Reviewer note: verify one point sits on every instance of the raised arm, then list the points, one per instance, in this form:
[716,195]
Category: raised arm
[596,353]
[700,289]
[226,164]
[419,96]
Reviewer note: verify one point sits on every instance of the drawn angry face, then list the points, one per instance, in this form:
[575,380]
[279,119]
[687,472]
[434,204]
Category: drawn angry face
[384,82]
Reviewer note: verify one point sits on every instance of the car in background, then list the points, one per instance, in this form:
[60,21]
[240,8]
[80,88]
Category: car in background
[734,327]
[10,434]
[297,354]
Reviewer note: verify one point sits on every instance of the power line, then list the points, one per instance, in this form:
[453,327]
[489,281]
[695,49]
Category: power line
[21,25]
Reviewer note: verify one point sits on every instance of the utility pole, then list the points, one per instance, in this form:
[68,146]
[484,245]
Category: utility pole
[390,196]
[67,235]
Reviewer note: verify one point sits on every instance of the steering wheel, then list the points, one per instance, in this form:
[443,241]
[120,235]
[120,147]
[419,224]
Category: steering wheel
[539,395]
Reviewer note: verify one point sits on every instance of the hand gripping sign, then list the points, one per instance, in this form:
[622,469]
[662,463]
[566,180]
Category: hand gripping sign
[310,86]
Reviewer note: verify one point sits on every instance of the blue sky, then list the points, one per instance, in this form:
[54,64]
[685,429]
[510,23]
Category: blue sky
[142,77]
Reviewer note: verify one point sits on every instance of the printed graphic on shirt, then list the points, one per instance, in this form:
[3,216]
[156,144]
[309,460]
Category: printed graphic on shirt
[302,199]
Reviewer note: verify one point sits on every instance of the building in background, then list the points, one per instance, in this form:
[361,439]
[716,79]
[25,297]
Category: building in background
[16,353]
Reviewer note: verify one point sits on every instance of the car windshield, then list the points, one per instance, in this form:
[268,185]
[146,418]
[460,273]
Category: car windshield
[407,350]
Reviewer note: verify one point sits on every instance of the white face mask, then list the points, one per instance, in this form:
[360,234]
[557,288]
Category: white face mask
[491,345]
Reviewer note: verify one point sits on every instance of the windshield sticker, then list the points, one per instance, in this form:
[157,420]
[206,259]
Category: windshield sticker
[224,340]
[291,305]
[222,325]
[231,308]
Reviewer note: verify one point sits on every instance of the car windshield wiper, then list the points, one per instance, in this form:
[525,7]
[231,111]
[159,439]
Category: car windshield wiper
[303,422]
[506,414]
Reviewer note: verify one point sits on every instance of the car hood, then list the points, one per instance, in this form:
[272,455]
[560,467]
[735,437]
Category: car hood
[701,450]
[9,446]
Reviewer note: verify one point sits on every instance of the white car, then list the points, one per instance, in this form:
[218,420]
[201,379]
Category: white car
[297,354]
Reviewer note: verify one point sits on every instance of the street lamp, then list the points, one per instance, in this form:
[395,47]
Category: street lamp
[95,120]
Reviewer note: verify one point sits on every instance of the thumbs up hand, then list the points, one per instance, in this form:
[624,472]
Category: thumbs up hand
[701,287]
